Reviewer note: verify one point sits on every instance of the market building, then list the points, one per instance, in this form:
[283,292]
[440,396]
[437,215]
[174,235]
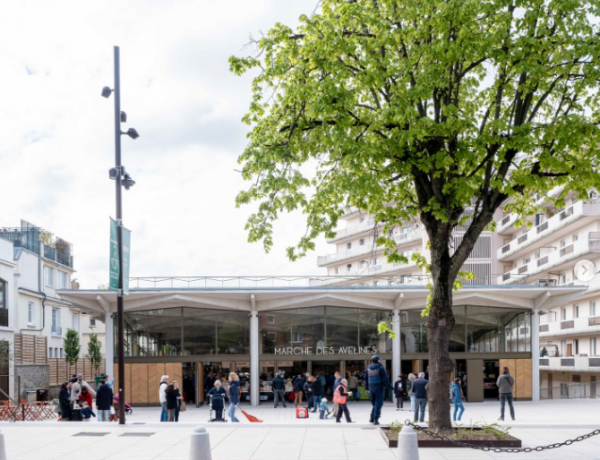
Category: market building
[187,332]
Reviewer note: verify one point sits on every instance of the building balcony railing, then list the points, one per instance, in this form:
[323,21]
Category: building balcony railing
[354,230]
[571,391]
[570,326]
[61,255]
[570,364]
[22,237]
[548,229]
[367,249]
[554,259]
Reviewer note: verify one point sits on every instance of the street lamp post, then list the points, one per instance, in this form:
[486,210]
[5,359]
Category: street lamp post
[122,179]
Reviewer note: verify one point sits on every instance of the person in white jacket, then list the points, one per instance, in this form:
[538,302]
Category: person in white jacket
[78,386]
[162,397]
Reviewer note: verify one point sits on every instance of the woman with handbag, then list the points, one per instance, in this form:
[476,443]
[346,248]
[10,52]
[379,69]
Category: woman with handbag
[180,402]
[233,393]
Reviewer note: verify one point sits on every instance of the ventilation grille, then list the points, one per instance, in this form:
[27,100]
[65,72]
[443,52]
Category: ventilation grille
[138,435]
[482,249]
[90,433]
[482,272]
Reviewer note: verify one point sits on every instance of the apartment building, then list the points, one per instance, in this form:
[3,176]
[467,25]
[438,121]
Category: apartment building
[34,264]
[543,254]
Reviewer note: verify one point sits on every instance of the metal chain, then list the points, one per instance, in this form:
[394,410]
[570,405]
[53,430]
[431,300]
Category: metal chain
[568,442]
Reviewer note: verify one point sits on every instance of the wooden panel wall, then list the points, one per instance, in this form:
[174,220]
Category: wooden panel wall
[520,369]
[60,372]
[30,349]
[143,380]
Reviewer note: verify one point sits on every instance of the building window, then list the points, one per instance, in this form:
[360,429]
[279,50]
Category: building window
[297,337]
[593,346]
[361,242]
[577,379]
[575,237]
[593,309]
[75,322]
[92,322]
[48,275]
[272,336]
[3,294]
[61,353]
[337,270]
[576,311]
[56,329]
[376,261]
[270,319]
[348,245]
[563,348]
[375,283]
[363,263]
[348,267]
[362,219]
[63,278]
[50,354]
[576,347]
[31,314]
[564,314]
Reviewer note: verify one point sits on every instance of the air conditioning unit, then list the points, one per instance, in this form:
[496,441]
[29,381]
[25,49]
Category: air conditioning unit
[546,283]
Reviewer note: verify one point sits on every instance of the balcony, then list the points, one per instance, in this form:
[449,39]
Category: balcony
[575,326]
[355,230]
[570,364]
[22,237]
[553,228]
[554,260]
[366,249]
[60,254]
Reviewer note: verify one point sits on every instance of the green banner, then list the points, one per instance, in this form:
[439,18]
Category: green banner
[114,257]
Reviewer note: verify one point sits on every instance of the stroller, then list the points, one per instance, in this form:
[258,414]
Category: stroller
[128,408]
[217,405]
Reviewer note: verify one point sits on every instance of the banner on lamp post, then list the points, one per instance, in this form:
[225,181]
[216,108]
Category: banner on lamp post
[114,257]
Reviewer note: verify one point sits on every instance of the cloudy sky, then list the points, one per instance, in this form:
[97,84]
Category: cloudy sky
[57,144]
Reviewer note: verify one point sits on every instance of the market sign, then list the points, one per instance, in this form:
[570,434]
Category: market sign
[325,350]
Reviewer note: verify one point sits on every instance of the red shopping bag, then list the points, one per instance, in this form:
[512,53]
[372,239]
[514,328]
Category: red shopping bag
[301,412]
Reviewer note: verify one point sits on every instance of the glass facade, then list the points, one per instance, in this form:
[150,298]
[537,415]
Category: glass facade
[477,330]
[186,331]
[323,330]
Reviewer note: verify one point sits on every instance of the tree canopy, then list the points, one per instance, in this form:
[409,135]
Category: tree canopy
[433,105]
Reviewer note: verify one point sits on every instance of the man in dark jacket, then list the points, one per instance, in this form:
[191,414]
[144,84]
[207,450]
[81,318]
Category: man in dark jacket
[209,382]
[419,388]
[375,382]
[104,400]
[316,391]
[278,390]
[298,387]
[307,392]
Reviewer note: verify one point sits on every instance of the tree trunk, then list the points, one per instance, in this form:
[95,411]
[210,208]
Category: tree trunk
[439,327]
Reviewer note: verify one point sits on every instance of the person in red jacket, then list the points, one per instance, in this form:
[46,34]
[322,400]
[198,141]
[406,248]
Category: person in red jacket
[87,397]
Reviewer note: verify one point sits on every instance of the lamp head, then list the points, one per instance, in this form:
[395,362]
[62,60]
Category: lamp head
[132,133]
[128,182]
[113,173]
[106,92]
[123,117]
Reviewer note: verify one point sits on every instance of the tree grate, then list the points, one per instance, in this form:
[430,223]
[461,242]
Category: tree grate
[91,433]
[140,435]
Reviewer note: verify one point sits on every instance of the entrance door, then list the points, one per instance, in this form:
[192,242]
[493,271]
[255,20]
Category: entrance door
[327,369]
[569,349]
[550,386]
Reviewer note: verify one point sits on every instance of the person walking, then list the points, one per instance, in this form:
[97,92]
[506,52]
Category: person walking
[505,383]
[340,396]
[104,399]
[217,394]
[419,387]
[233,393]
[336,382]
[298,388]
[410,391]
[316,390]
[400,392]
[64,402]
[162,398]
[171,397]
[375,382]
[353,386]
[278,390]
[179,399]
[456,392]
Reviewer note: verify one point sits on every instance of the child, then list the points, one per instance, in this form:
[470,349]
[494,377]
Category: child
[323,408]
[86,412]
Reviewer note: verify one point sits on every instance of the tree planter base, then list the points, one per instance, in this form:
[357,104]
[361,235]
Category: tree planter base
[510,441]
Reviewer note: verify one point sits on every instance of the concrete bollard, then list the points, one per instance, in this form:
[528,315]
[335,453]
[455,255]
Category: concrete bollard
[199,444]
[2,447]
[408,446]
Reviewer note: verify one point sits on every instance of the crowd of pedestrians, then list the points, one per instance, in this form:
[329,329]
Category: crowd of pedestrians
[76,403]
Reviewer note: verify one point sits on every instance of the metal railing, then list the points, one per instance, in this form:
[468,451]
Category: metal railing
[572,391]
[60,255]
[22,237]
[268,281]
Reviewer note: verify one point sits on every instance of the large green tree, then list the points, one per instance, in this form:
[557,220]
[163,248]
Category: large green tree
[441,110]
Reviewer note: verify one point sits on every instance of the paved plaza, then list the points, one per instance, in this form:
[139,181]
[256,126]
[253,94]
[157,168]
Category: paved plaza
[282,436]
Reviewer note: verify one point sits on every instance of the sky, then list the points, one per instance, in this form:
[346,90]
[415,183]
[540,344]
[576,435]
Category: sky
[57,132]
